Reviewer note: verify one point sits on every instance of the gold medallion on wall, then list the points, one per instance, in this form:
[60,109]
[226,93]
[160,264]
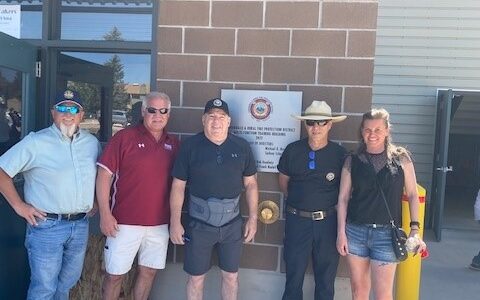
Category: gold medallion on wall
[268,212]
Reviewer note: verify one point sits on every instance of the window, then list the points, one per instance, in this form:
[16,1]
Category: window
[10,108]
[102,49]
[120,20]
[106,82]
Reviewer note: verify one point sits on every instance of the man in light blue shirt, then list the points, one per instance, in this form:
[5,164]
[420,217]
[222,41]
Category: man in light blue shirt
[58,165]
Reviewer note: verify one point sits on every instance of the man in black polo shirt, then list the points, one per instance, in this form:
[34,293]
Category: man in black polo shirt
[309,179]
[216,166]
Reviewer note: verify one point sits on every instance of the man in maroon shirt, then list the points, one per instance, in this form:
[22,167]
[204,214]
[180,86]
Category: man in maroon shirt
[134,212]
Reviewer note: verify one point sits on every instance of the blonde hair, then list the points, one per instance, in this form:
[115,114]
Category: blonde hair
[393,151]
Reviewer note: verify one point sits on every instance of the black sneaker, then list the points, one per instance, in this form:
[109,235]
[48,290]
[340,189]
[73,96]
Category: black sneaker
[475,265]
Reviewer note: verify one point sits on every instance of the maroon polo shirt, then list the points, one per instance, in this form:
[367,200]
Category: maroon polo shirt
[141,168]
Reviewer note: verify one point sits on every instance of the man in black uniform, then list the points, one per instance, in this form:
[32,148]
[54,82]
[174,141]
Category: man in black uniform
[309,179]
[216,166]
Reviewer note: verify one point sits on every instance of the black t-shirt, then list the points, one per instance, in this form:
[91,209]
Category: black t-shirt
[214,170]
[312,189]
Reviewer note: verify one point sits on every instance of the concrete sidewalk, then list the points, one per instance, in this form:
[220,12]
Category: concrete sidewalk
[445,275]
[254,285]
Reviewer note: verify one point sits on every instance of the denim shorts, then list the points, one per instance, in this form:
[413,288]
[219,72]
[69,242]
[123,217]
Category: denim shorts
[369,242]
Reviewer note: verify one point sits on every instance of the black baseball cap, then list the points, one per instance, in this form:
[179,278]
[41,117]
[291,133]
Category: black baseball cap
[216,103]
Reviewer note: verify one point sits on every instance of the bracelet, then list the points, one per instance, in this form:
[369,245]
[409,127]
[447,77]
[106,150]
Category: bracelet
[415,223]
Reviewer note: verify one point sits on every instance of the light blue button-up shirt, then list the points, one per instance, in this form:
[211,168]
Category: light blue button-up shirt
[59,172]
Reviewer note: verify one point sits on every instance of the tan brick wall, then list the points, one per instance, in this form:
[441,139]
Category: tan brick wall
[323,48]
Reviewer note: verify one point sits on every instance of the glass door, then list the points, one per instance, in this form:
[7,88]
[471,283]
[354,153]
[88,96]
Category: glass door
[17,118]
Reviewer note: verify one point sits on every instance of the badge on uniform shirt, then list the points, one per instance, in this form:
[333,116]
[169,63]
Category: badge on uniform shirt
[167,146]
[330,176]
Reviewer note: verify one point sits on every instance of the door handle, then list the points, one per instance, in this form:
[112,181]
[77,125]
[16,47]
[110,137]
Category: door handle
[445,169]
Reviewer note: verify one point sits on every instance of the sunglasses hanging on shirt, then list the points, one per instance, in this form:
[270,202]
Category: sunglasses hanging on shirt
[311,163]
[219,157]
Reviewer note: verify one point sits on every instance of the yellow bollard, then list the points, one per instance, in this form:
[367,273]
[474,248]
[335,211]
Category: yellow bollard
[408,272]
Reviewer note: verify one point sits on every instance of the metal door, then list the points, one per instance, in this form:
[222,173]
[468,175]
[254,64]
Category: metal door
[440,168]
[17,72]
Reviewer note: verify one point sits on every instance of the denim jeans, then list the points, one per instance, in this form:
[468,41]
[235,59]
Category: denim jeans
[56,249]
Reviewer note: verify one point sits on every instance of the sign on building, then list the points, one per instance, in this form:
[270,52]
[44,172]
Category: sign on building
[263,118]
[10,20]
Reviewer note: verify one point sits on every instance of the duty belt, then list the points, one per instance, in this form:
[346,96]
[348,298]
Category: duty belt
[314,215]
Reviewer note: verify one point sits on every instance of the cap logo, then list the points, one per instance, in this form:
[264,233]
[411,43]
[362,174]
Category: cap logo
[217,102]
[68,94]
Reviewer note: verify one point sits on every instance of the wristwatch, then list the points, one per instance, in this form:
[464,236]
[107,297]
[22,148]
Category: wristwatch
[415,223]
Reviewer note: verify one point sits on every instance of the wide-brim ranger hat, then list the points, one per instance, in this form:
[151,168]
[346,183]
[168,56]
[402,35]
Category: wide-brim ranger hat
[318,111]
[216,103]
[68,96]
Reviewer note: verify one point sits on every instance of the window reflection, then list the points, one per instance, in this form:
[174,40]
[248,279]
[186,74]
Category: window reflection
[132,20]
[110,83]
[10,108]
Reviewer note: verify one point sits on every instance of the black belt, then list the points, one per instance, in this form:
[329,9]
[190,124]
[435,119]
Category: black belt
[67,217]
[314,215]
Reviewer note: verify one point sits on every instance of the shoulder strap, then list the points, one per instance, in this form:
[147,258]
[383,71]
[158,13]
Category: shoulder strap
[392,222]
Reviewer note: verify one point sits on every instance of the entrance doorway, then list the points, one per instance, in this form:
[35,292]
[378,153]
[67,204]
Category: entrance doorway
[456,172]
[17,117]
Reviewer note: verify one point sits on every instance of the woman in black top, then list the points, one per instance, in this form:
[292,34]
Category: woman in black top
[363,221]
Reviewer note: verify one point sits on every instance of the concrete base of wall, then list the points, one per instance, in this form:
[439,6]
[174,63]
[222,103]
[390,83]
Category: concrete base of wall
[254,284]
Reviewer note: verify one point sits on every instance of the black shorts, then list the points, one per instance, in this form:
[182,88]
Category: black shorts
[227,240]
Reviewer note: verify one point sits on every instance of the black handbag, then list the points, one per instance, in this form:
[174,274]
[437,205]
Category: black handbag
[399,236]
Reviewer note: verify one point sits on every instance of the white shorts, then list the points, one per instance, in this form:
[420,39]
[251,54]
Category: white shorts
[151,243]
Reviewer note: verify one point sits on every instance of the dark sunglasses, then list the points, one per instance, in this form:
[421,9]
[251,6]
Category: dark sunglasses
[318,122]
[67,109]
[152,110]
[311,163]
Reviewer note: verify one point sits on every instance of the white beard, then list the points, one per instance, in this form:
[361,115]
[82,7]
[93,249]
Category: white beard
[68,131]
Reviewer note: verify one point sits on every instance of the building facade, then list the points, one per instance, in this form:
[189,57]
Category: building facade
[323,48]
[193,49]
[424,47]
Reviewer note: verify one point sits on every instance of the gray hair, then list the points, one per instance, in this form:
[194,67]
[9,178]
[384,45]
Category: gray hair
[155,95]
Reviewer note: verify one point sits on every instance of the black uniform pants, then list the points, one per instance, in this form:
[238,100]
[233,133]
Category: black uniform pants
[305,238]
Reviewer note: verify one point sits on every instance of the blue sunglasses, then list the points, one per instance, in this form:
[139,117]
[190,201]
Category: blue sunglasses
[311,163]
[67,109]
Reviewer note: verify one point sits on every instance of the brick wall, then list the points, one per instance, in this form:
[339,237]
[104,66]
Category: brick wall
[323,48]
